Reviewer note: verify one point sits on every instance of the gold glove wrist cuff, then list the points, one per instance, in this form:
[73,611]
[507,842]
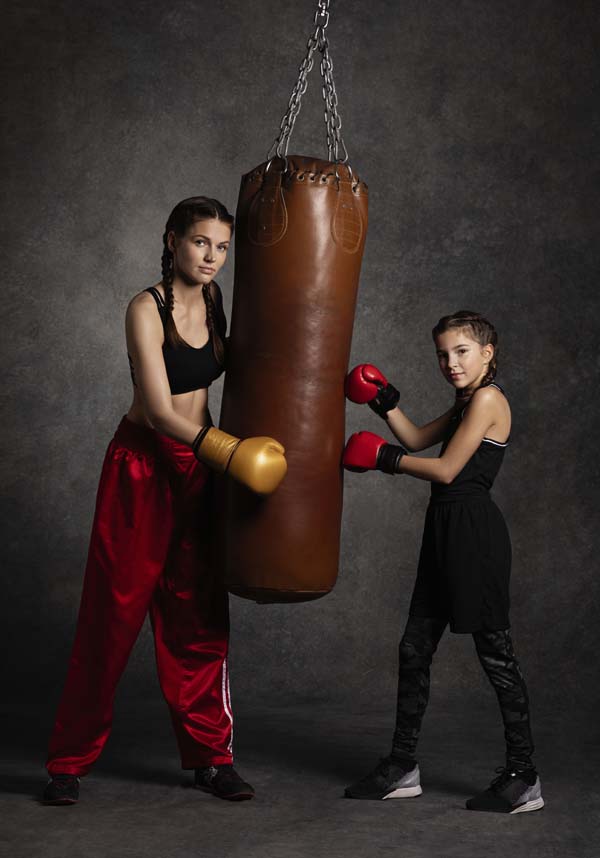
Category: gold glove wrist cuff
[216,449]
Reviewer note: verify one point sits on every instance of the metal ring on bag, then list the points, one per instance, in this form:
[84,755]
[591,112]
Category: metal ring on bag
[270,161]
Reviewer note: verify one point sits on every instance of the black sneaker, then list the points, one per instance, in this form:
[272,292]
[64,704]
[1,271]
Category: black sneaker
[61,789]
[513,791]
[389,779]
[224,782]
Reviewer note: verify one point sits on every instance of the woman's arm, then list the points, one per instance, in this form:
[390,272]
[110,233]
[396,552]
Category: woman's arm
[256,462]
[416,438]
[144,332]
[478,418]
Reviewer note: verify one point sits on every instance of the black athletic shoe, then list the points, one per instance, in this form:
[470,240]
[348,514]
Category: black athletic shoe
[61,789]
[389,779]
[513,791]
[224,782]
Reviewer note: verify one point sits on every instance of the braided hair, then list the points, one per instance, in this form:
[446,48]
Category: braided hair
[181,218]
[482,331]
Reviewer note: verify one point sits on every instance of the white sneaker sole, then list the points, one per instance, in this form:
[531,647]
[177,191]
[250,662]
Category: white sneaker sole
[536,804]
[404,792]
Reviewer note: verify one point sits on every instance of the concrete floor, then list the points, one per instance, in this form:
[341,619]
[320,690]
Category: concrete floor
[138,804]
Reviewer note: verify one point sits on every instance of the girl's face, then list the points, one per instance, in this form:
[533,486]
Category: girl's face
[201,252]
[463,361]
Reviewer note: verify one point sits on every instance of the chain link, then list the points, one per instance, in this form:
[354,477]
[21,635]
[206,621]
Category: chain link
[317,41]
[333,121]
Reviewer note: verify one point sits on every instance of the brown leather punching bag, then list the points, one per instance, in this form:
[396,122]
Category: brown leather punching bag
[300,232]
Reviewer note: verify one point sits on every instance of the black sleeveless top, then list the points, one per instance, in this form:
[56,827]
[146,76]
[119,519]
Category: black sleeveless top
[478,475]
[188,368]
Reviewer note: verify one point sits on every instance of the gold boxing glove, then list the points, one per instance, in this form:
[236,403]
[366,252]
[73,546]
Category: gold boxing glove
[257,463]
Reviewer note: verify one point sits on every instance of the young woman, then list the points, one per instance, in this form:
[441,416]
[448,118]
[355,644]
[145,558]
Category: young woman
[464,565]
[149,547]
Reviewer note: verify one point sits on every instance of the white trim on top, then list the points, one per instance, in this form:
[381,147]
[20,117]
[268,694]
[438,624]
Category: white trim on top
[496,443]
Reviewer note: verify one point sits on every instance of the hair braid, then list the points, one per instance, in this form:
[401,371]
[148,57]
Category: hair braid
[215,330]
[168,275]
[482,331]
[166,262]
[181,218]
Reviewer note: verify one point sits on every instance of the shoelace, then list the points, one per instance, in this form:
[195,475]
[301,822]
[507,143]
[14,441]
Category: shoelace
[226,772]
[382,768]
[505,777]
[211,772]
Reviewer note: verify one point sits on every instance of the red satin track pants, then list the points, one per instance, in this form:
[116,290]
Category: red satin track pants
[148,552]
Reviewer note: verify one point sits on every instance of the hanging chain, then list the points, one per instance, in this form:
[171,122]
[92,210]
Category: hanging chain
[333,123]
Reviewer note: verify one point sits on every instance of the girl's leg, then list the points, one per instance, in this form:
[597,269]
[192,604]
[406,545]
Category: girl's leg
[190,619]
[495,651]
[128,547]
[417,647]
[397,776]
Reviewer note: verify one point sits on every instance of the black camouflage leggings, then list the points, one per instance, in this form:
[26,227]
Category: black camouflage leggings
[497,658]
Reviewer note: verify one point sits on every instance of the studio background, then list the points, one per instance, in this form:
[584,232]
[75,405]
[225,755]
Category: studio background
[475,126]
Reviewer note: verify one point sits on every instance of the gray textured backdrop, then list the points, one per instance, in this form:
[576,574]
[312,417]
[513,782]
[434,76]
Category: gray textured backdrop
[475,126]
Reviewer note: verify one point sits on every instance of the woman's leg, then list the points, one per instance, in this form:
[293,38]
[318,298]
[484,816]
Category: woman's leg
[417,647]
[128,547]
[190,618]
[495,651]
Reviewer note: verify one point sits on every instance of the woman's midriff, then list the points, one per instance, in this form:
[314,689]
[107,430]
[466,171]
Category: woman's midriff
[193,406]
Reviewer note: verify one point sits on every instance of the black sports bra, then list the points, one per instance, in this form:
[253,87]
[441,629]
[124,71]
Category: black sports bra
[188,368]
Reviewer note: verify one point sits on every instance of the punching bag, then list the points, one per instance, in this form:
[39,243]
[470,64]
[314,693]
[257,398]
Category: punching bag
[300,230]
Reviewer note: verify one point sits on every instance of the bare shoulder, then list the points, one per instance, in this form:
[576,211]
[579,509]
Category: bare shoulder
[142,316]
[491,400]
[144,299]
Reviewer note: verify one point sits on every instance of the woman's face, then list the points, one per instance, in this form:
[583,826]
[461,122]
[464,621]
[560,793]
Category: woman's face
[200,253]
[462,360]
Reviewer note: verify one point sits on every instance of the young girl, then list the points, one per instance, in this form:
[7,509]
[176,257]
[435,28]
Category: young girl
[148,548]
[464,564]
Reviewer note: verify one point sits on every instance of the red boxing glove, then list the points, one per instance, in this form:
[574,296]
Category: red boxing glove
[360,386]
[365,383]
[361,451]
[366,451]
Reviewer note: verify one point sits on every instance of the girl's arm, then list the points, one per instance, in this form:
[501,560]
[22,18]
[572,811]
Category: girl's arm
[478,419]
[416,438]
[145,338]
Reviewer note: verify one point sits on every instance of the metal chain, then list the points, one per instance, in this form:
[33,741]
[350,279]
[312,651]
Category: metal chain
[333,123]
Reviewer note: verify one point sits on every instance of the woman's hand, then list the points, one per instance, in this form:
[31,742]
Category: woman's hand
[258,462]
